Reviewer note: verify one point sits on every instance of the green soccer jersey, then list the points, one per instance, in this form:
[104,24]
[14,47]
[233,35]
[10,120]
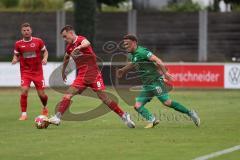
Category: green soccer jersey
[146,69]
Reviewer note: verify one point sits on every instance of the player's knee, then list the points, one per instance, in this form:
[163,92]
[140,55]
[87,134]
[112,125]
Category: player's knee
[104,98]
[68,96]
[41,94]
[167,103]
[137,105]
[24,91]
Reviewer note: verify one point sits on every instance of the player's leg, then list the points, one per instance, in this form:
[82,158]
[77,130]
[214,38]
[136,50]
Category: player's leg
[40,86]
[23,102]
[25,84]
[161,92]
[99,87]
[44,99]
[64,104]
[173,104]
[116,108]
[144,97]
[165,99]
[110,103]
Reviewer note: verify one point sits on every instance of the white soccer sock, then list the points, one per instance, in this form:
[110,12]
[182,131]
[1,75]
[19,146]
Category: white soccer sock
[24,113]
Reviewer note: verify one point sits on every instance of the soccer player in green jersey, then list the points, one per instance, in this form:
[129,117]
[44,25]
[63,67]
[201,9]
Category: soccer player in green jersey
[152,71]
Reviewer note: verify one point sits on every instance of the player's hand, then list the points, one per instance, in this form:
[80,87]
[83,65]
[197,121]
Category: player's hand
[44,61]
[168,76]
[64,77]
[14,60]
[119,73]
[76,50]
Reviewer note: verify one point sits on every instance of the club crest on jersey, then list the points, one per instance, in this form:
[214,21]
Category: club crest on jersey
[32,45]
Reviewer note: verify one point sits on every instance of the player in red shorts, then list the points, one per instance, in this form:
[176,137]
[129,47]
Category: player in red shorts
[88,75]
[28,51]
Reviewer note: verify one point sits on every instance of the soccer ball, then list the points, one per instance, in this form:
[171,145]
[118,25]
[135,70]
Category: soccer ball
[41,122]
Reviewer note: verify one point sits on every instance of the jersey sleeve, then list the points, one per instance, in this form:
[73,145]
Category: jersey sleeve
[16,49]
[67,51]
[41,45]
[146,54]
[129,57]
[81,38]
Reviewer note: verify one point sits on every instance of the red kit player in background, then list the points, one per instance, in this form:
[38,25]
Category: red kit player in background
[88,75]
[32,54]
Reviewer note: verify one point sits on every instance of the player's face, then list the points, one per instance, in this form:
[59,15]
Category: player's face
[26,32]
[68,36]
[129,45]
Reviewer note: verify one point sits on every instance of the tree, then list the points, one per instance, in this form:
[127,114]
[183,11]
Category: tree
[108,2]
[216,2]
[9,3]
[84,15]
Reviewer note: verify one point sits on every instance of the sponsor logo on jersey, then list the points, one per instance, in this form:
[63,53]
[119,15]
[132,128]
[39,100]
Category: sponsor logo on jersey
[29,54]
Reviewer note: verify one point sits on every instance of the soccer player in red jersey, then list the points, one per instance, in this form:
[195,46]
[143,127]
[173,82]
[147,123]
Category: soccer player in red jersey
[29,52]
[88,75]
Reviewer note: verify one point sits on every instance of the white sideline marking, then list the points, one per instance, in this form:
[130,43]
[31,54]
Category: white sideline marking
[215,154]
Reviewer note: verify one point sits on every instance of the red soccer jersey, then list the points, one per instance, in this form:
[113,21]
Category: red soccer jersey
[85,60]
[30,55]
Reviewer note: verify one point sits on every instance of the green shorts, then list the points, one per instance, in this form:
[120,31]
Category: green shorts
[156,88]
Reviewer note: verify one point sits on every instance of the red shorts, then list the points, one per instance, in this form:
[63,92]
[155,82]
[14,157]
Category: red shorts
[37,79]
[96,83]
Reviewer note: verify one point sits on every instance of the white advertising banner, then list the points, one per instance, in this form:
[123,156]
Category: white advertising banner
[10,74]
[232,76]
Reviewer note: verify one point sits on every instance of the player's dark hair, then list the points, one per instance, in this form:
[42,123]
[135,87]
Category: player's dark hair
[131,37]
[26,24]
[67,28]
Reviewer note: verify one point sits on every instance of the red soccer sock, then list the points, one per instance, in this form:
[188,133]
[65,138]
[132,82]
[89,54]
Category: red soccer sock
[114,107]
[44,100]
[23,102]
[63,105]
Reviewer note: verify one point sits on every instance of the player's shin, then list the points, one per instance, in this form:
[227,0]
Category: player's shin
[44,100]
[114,107]
[23,103]
[179,107]
[63,106]
[145,113]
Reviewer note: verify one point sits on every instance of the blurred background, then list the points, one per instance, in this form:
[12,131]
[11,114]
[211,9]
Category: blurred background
[177,31]
[168,27]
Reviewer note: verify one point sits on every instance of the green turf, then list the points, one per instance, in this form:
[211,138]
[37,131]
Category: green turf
[108,138]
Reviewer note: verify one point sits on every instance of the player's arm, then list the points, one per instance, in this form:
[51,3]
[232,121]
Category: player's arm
[65,63]
[16,54]
[45,56]
[15,58]
[84,44]
[120,72]
[161,67]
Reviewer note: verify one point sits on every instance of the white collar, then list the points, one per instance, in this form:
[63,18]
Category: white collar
[75,40]
[28,40]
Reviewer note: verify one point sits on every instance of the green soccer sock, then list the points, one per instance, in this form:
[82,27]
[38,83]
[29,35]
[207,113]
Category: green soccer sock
[179,107]
[145,113]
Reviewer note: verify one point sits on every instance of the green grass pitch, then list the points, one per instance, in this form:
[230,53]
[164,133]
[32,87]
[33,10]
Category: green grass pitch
[107,137]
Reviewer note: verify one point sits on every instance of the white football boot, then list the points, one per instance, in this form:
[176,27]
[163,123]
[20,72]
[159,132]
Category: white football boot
[127,120]
[193,115]
[54,120]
